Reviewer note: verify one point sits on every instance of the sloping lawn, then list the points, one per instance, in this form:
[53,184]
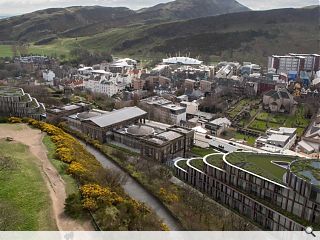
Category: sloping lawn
[24,197]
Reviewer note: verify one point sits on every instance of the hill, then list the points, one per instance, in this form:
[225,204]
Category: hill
[49,24]
[244,36]
[187,9]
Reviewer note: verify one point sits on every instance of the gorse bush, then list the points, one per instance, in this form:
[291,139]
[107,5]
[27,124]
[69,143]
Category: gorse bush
[97,194]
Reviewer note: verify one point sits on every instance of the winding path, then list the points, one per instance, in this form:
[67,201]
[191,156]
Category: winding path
[56,186]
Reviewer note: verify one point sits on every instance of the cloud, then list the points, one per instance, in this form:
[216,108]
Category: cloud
[11,7]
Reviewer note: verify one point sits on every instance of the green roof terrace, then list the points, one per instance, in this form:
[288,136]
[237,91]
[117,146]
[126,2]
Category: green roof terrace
[308,170]
[270,166]
[197,163]
[215,160]
[182,164]
[10,92]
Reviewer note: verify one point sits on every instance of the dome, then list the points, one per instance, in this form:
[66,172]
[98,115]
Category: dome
[142,130]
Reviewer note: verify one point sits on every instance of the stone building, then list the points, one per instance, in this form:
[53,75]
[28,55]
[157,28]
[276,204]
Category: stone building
[278,101]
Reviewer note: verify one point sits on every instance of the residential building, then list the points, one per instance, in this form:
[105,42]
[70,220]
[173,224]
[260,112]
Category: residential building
[48,76]
[277,192]
[206,86]
[14,102]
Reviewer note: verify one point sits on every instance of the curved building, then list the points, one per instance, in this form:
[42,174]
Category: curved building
[278,192]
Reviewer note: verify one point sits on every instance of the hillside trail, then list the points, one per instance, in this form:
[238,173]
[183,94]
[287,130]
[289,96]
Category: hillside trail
[56,185]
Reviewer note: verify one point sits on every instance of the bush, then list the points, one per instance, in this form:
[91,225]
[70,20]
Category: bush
[73,206]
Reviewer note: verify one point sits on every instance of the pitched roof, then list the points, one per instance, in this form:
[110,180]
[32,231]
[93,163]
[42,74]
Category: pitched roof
[117,116]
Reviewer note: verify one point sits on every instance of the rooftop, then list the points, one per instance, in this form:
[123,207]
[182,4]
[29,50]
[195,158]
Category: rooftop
[117,116]
[264,165]
[308,170]
[11,91]
[197,163]
[215,160]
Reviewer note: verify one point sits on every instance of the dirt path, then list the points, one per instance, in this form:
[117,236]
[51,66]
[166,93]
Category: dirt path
[33,138]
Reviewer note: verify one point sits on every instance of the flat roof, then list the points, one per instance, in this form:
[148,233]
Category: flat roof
[117,116]
[261,164]
[278,138]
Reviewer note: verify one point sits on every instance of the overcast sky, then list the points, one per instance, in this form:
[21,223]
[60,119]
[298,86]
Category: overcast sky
[13,7]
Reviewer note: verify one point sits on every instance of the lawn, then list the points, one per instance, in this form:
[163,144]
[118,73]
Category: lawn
[5,51]
[24,197]
[201,152]
[238,107]
[182,164]
[250,139]
[261,164]
[71,185]
[265,120]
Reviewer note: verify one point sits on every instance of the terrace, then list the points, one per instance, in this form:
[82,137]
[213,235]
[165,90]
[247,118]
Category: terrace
[182,164]
[10,92]
[269,166]
[308,170]
[197,163]
[215,160]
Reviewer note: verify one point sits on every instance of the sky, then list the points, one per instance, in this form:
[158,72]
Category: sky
[14,7]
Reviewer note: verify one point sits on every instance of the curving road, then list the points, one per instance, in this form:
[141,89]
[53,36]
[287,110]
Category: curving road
[137,192]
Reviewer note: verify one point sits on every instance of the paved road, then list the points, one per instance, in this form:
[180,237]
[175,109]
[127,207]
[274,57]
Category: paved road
[137,192]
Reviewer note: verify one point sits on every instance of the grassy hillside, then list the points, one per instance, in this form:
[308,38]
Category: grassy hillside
[238,36]
[24,197]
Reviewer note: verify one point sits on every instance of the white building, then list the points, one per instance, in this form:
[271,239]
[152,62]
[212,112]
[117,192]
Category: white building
[278,139]
[182,60]
[48,76]
[192,107]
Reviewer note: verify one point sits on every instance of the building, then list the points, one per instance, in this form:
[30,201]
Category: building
[163,110]
[277,192]
[206,86]
[192,108]
[277,139]
[58,113]
[99,125]
[182,61]
[156,144]
[48,76]
[14,102]
[294,63]
[218,126]
[279,100]
[310,142]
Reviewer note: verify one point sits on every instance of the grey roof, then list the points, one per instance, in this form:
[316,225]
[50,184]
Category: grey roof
[117,116]
[140,130]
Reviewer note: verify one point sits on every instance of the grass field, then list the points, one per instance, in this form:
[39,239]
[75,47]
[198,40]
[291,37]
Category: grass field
[24,197]
[5,51]
[71,186]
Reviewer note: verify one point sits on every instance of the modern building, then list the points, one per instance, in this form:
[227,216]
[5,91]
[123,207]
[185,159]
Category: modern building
[14,102]
[277,139]
[278,192]
[295,63]
[182,61]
